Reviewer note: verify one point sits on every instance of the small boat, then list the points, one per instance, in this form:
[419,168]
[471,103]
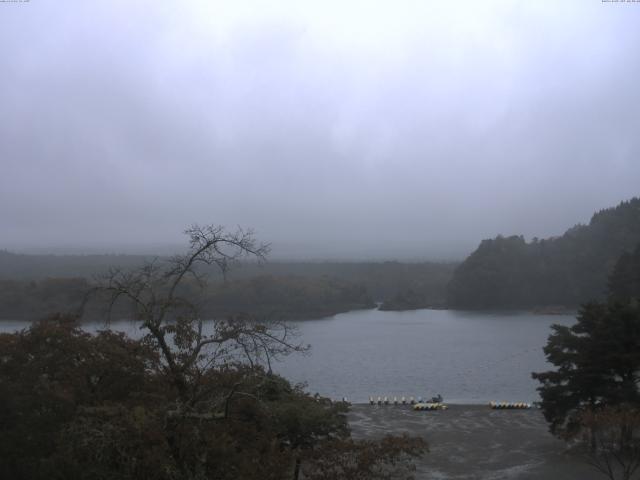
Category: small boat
[509,405]
[430,406]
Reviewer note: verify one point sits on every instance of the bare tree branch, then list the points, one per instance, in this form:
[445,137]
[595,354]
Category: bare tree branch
[189,345]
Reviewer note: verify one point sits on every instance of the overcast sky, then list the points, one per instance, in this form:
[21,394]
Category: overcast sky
[335,129]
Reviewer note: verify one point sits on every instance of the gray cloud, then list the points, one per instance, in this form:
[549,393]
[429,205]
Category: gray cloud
[377,129]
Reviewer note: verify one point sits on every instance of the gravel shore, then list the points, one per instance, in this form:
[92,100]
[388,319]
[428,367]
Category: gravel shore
[475,442]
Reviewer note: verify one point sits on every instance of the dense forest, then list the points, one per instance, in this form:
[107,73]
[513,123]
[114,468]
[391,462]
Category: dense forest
[508,272]
[268,297]
[80,406]
[382,280]
[624,281]
[31,286]
[15,266]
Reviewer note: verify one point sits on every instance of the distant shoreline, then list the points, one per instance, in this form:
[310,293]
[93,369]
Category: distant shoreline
[548,310]
[320,315]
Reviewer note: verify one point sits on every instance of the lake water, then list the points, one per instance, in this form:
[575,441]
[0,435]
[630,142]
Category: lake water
[467,357]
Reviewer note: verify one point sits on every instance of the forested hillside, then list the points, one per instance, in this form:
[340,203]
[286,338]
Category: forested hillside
[508,272]
[624,282]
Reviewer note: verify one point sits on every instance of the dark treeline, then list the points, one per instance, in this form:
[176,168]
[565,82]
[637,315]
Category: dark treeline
[32,300]
[34,267]
[33,285]
[289,296]
[508,272]
[265,296]
[383,280]
[624,282]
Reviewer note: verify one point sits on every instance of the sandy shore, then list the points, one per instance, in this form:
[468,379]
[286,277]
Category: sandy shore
[475,442]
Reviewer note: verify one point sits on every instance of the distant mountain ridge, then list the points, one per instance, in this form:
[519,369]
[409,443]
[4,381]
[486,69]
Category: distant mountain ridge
[508,272]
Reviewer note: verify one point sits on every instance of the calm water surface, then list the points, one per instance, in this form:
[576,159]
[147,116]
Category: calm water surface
[468,357]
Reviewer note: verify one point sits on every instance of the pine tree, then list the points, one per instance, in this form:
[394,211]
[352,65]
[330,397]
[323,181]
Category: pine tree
[598,358]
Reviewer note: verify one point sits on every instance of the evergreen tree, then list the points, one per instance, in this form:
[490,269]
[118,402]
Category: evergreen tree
[624,282]
[598,364]
[597,358]
[508,272]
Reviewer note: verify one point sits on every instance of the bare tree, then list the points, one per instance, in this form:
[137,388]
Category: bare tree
[165,297]
[611,438]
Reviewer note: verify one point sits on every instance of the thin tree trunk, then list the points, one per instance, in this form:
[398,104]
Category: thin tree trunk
[296,471]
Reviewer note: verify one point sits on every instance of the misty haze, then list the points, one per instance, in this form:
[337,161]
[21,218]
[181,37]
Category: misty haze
[320,240]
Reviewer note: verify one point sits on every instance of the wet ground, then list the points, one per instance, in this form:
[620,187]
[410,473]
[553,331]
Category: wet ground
[475,442]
